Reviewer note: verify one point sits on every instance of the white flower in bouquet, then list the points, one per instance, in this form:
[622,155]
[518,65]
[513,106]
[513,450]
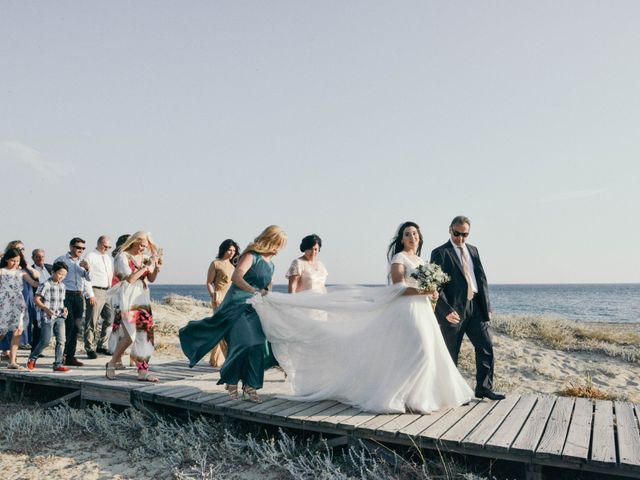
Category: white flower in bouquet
[430,277]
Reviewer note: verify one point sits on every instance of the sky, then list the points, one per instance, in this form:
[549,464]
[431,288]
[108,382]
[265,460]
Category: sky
[205,120]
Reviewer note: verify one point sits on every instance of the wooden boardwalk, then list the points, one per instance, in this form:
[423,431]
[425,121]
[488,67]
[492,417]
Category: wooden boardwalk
[537,430]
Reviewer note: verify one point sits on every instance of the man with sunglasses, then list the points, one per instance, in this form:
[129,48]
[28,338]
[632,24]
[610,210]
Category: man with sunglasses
[463,306]
[74,282]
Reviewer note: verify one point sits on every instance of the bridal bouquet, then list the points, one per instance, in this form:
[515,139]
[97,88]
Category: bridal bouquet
[430,277]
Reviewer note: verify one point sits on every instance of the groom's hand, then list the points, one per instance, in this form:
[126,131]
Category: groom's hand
[453,318]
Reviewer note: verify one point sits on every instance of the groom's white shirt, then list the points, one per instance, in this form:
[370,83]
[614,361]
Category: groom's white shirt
[470,262]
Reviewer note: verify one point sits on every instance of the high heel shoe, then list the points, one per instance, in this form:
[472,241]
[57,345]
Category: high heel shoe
[233,391]
[252,394]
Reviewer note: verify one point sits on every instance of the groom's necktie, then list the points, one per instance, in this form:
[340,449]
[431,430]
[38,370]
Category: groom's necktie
[467,273]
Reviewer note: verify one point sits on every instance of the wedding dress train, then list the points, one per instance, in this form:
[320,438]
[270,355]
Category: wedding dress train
[370,347]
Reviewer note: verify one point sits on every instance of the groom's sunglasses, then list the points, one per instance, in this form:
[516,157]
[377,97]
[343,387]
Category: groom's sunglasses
[460,234]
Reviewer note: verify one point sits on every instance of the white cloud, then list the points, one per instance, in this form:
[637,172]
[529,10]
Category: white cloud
[16,152]
[573,195]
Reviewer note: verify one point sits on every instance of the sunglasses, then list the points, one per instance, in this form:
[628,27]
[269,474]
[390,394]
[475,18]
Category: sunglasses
[79,248]
[459,234]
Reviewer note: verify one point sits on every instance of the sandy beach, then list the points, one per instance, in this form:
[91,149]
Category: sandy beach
[533,354]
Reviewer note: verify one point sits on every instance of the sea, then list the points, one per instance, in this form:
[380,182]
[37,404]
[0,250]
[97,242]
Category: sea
[582,302]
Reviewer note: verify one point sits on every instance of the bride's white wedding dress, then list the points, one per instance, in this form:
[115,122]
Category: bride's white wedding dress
[370,347]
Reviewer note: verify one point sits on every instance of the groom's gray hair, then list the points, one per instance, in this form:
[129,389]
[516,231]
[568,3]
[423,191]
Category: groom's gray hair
[460,220]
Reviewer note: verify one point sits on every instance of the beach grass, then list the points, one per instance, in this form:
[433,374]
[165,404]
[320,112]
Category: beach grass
[570,335]
[201,448]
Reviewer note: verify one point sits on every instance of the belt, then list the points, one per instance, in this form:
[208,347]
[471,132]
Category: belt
[101,288]
[73,292]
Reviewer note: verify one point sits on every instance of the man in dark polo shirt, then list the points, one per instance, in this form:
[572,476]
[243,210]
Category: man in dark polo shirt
[78,273]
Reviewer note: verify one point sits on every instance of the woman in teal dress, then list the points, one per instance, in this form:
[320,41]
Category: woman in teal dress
[236,321]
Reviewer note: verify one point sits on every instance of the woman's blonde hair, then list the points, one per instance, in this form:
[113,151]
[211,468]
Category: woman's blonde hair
[270,241]
[138,237]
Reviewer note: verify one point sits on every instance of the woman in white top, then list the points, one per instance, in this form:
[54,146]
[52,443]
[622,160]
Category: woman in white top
[338,356]
[307,272]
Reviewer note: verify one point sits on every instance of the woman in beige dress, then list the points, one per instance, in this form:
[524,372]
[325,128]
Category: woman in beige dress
[307,272]
[218,282]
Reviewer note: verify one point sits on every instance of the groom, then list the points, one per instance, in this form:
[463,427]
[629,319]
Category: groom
[463,305]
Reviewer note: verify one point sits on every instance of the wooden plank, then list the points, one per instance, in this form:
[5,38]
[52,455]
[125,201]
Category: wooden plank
[628,434]
[532,430]
[214,403]
[64,398]
[312,412]
[257,409]
[243,406]
[293,409]
[554,436]
[341,417]
[337,408]
[231,404]
[603,449]
[439,428]
[162,392]
[391,429]
[278,407]
[506,434]
[200,397]
[468,423]
[576,448]
[108,395]
[376,422]
[488,426]
[424,422]
[186,390]
[357,420]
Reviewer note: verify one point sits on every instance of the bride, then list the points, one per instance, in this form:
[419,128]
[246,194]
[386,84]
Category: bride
[377,348]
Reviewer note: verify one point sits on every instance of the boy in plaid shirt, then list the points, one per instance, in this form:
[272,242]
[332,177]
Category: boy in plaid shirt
[51,315]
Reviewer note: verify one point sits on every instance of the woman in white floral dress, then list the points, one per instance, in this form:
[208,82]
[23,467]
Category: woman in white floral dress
[12,304]
[133,322]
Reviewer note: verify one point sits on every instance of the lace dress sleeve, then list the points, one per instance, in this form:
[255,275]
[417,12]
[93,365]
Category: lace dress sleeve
[294,269]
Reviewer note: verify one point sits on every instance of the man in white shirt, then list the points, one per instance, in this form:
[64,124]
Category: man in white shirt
[96,334]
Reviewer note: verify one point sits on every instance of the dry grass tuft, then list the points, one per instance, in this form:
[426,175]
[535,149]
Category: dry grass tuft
[168,349]
[571,336]
[586,389]
[166,329]
[182,303]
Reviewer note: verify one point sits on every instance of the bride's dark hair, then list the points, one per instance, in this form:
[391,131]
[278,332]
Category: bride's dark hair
[396,244]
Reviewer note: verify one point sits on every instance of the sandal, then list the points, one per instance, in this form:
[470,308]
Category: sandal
[120,366]
[146,376]
[110,371]
[233,391]
[252,394]
[15,366]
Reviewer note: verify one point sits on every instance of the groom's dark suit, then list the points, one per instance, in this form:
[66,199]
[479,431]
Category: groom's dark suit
[474,314]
